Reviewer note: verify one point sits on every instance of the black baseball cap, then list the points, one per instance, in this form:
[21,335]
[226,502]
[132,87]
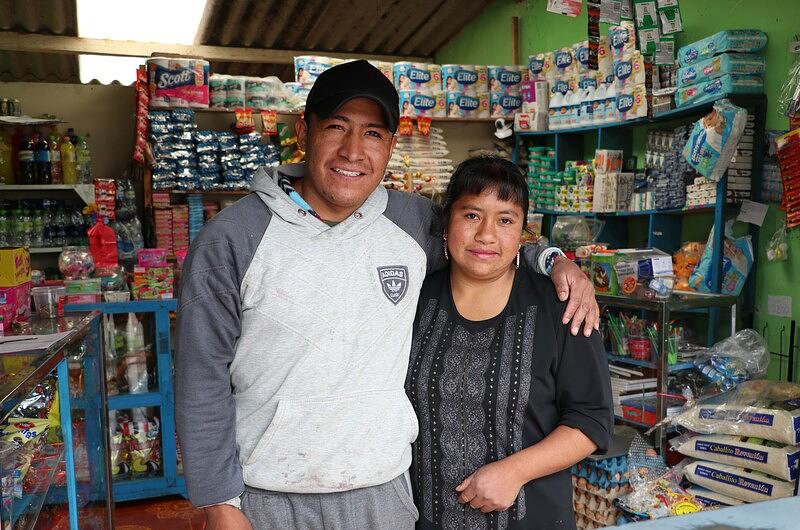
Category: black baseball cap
[354,79]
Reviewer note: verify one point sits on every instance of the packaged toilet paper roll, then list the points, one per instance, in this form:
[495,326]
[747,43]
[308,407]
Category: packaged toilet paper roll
[176,82]
[308,67]
[629,71]
[505,79]
[234,91]
[415,103]
[465,78]
[540,66]
[622,39]
[504,105]
[461,105]
[418,76]
[385,67]
[256,92]
[216,90]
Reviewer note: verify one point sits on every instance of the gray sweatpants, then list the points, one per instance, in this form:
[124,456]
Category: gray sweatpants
[387,506]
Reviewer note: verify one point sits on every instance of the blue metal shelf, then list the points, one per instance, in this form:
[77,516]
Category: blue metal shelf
[132,401]
[647,364]
[170,483]
[673,211]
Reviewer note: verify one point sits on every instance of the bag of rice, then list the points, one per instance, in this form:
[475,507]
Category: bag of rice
[711,499]
[773,458]
[737,482]
[714,138]
[760,408]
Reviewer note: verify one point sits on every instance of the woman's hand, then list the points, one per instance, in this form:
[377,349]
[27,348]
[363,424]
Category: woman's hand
[570,281]
[492,488]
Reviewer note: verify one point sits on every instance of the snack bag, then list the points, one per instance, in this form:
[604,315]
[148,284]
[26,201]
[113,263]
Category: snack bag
[738,258]
[713,140]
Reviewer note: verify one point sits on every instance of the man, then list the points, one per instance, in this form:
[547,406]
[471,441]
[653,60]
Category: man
[294,328]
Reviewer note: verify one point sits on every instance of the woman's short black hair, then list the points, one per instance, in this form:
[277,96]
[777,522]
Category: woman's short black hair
[479,173]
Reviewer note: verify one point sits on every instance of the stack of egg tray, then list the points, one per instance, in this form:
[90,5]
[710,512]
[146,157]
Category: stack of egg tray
[596,484]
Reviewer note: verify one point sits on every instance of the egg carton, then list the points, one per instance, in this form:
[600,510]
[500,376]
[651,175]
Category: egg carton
[590,521]
[608,494]
[587,502]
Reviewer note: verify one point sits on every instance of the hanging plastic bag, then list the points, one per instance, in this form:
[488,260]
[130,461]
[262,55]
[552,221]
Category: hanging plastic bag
[736,263]
[739,358]
[778,247]
[789,98]
[103,246]
[713,140]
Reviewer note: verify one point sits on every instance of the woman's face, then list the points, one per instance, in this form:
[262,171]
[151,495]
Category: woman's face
[483,234]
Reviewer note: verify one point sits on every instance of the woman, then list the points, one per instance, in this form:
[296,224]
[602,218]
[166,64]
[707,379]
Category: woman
[507,398]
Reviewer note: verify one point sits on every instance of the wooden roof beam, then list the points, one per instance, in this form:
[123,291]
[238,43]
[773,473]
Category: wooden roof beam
[39,43]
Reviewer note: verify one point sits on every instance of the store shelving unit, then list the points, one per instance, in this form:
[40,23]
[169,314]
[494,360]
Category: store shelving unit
[21,371]
[298,113]
[663,226]
[20,191]
[170,482]
[663,311]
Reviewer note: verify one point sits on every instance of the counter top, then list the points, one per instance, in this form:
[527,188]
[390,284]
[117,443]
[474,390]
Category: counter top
[781,514]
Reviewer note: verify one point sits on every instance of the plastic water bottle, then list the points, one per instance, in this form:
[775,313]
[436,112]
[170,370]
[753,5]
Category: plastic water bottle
[37,227]
[5,229]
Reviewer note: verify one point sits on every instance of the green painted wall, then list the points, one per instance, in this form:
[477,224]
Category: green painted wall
[488,41]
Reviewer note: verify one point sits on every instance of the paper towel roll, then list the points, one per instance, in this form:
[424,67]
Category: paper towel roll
[176,82]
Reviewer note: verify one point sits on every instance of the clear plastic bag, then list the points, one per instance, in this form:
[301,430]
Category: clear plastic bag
[789,98]
[572,231]
[778,246]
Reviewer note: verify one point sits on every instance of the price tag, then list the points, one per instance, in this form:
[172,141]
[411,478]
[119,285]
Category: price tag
[752,212]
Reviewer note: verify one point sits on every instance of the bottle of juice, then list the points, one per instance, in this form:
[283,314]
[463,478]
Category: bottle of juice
[68,161]
[55,160]
[83,167]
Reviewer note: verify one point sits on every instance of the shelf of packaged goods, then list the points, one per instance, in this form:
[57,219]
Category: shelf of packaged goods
[145,488]
[31,503]
[680,112]
[132,401]
[232,193]
[29,120]
[647,364]
[84,191]
[45,250]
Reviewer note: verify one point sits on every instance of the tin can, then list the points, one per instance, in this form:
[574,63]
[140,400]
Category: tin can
[3,107]
[17,108]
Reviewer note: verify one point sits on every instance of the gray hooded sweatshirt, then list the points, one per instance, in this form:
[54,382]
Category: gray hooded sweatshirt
[293,340]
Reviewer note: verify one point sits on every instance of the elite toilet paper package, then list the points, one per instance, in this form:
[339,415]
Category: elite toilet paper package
[629,71]
[461,105]
[504,105]
[732,40]
[385,67]
[565,62]
[176,82]
[415,103]
[622,39]
[465,78]
[506,79]
[541,66]
[417,76]
[308,67]
[714,67]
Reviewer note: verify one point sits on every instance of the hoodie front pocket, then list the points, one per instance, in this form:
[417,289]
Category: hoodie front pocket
[335,444]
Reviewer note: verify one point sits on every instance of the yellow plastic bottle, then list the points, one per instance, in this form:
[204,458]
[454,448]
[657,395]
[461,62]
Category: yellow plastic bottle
[68,161]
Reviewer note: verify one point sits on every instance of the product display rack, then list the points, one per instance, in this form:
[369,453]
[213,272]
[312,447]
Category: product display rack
[663,310]
[21,191]
[170,482]
[22,371]
[299,113]
[663,226]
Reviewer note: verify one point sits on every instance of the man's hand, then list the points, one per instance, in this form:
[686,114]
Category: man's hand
[226,517]
[492,488]
[572,283]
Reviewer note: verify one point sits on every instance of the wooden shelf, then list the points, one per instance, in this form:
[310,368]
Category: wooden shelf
[297,113]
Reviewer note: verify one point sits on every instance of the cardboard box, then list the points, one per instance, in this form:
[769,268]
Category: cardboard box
[15,266]
[152,283]
[15,285]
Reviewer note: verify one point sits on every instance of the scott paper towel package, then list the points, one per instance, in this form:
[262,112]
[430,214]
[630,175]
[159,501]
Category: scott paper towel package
[732,40]
[541,66]
[308,67]
[417,76]
[175,82]
[505,79]
[415,103]
[629,71]
[714,67]
[727,84]
[504,105]
[460,105]
[465,78]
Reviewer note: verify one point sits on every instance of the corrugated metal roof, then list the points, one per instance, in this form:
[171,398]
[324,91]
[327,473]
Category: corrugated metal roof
[51,17]
[386,27]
